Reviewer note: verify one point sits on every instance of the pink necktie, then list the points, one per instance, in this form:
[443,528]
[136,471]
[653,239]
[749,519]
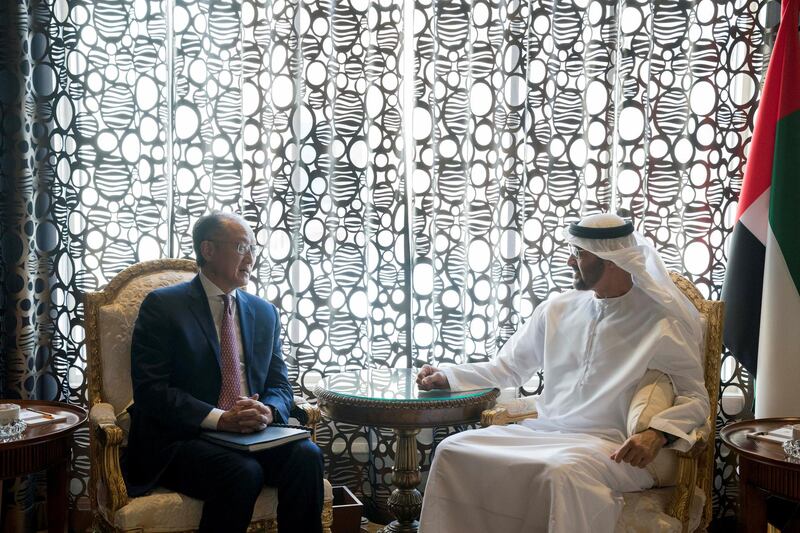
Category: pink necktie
[229,358]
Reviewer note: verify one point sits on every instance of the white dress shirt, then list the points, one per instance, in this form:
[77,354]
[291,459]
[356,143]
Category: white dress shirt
[217,305]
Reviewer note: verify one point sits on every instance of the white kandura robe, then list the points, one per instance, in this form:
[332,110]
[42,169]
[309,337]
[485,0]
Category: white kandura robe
[553,473]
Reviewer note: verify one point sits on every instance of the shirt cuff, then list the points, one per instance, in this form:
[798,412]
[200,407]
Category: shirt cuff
[212,419]
[452,381]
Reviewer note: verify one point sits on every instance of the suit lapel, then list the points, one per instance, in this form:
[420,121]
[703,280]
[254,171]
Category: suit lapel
[202,312]
[247,320]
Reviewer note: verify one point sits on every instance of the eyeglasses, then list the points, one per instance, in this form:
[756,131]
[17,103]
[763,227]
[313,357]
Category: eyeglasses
[242,248]
[575,252]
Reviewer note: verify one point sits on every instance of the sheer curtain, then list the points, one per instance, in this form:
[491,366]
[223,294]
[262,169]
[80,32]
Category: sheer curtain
[408,165]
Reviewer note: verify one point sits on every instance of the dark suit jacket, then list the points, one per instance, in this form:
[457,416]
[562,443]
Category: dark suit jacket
[176,374]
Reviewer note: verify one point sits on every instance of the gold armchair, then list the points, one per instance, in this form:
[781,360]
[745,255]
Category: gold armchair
[687,505]
[110,316]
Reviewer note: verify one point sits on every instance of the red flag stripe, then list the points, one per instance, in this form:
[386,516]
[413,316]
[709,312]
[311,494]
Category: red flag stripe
[780,97]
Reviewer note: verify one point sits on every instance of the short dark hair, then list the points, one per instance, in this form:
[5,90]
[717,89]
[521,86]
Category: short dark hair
[206,228]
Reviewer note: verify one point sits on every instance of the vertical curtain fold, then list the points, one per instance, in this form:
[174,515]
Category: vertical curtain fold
[41,331]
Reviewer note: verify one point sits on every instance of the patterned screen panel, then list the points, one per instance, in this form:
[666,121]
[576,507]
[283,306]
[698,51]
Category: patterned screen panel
[409,167]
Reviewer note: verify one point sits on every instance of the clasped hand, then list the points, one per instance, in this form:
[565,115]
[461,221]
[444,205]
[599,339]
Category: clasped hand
[246,416]
[640,449]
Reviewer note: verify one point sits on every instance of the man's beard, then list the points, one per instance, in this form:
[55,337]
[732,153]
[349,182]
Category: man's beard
[586,280]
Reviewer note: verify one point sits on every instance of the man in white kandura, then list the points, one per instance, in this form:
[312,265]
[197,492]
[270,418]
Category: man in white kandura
[565,470]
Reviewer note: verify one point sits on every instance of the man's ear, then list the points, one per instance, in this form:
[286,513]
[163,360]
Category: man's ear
[206,249]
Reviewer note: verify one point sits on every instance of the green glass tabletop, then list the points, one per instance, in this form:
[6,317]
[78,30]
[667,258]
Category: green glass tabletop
[387,384]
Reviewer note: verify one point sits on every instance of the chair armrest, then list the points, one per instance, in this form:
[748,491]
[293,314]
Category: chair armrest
[108,438]
[688,463]
[510,412]
[101,414]
[308,414]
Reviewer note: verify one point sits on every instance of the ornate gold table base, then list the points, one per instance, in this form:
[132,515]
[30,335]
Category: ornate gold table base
[384,397]
[405,501]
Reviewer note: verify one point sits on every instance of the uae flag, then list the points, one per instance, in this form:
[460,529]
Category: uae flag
[762,281]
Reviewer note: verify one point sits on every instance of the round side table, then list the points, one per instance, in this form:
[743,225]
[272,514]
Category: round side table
[390,398]
[41,447]
[764,469]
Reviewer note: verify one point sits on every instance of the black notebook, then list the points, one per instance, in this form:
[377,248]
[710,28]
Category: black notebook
[274,435]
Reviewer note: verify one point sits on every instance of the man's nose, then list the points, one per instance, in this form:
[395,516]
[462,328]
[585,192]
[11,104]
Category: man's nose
[571,260]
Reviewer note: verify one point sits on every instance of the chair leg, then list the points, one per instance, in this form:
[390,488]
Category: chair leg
[327,516]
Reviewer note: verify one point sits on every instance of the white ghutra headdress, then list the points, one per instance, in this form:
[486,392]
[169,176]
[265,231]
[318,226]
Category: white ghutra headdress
[613,238]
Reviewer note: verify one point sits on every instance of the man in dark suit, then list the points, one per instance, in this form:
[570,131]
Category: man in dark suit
[207,355]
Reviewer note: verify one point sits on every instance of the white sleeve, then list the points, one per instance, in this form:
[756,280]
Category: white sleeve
[211,421]
[521,356]
[678,356]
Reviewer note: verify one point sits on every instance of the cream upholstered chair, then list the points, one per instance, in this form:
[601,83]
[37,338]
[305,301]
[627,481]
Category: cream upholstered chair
[110,316]
[686,506]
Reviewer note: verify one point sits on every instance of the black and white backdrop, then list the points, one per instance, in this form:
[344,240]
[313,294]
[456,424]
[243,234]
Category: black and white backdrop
[408,165]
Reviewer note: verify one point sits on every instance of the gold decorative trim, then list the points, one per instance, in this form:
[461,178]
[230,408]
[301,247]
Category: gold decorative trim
[499,416]
[351,401]
[313,414]
[714,313]
[327,515]
[680,503]
[148,267]
[688,289]
[109,438]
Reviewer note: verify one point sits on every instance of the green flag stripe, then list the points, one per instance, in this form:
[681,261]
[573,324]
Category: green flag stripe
[784,197]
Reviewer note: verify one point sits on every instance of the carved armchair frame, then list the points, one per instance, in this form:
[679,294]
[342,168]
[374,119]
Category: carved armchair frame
[695,466]
[106,437]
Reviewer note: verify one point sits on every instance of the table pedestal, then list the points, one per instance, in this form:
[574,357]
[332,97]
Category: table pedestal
[405,501]
[390,398]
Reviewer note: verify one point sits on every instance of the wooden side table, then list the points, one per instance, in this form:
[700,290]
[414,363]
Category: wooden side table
[390,398]
[764,470]
[45,447]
